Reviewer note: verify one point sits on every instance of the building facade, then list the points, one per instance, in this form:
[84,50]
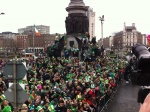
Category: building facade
[22,42]
[127,38]
[28,29]
[145,42]
[106,42]
[38,43]
[9,41]
[91,16]
[2,41]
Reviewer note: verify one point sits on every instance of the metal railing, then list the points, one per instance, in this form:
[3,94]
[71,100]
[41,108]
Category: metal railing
[106,99]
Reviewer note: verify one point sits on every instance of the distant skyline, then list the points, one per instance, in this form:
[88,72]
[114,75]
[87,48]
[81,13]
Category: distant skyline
[22,13]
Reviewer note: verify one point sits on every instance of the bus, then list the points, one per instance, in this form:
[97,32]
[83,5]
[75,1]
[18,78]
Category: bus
[27,55]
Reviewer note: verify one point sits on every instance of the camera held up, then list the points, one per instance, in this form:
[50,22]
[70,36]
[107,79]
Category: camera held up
[141,69]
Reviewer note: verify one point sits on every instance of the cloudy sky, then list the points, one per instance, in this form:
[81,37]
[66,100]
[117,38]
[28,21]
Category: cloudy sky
[21,13]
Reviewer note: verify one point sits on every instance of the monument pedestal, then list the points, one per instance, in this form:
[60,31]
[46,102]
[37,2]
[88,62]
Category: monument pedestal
[74,41]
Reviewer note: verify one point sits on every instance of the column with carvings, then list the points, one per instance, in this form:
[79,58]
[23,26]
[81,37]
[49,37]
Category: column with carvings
[77,20]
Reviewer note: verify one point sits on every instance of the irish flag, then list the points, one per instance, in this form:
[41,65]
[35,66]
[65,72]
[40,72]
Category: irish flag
[36,31]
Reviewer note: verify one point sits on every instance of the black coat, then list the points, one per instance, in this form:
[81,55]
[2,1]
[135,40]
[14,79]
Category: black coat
[60,109]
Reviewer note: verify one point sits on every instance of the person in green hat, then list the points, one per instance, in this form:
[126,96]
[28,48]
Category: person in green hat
[6,109]
[40,109]
[4,104]
[2,98]
[32,108]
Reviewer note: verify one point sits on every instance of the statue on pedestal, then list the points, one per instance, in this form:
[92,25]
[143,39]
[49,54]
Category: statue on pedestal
[76,24]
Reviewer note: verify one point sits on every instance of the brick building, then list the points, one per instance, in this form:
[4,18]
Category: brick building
[22,42]
[40,42]
[2,41]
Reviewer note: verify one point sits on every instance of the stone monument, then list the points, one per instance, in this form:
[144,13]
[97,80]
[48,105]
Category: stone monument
[76,23]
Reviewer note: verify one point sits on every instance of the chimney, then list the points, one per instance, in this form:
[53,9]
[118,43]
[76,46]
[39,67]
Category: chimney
[133,24]
[124,27]
[124,24]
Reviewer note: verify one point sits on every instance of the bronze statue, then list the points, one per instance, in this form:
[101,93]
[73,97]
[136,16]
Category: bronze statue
[76,24]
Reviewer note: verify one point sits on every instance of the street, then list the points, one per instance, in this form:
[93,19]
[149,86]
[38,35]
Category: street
[125,99]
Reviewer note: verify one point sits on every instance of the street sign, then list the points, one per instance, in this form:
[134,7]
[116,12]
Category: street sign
[20,70]
[22,96]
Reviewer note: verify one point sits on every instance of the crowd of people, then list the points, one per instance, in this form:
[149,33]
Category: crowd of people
[65,84]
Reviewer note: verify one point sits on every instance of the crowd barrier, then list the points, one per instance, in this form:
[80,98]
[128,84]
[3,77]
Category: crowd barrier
[105,100]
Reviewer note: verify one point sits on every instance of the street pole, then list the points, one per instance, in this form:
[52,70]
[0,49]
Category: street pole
[15,85]
[118,50]
[25,48]
[33,41]
[102,31]
[102,19]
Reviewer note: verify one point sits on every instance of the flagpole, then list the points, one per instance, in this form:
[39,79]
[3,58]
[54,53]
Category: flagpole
[33,41]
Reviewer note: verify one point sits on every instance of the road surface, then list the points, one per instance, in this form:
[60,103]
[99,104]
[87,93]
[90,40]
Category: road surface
[125,99]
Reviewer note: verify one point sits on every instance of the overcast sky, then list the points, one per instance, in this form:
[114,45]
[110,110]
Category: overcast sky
[22,13]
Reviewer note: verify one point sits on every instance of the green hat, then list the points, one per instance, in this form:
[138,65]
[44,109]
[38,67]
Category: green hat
[39,108]
[31,107]
[39,82]
[2,97]
[47,81]
[73,109]
[32,79]
[34,72]
[101,79]
[66,60]
[51,66]
[106,81]
[87,78]
[51,107]
[92,86]
[32,86]
[101,73]
[79,97]
[31,97]
[7,109]
[110,78]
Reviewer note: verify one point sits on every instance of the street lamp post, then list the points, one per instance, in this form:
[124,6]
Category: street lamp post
[112,47]
[118,45]
[118,49]
[25,47]
[2,14]
[33,34]
[102,19]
